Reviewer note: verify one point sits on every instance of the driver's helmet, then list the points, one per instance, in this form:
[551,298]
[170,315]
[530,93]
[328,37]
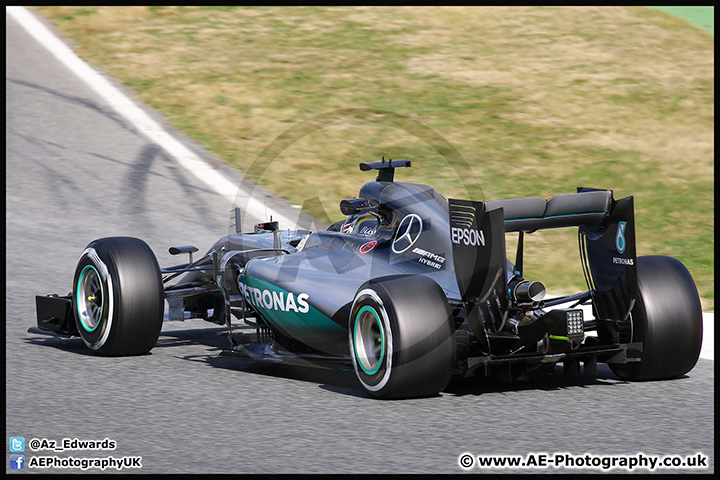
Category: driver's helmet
[364,224]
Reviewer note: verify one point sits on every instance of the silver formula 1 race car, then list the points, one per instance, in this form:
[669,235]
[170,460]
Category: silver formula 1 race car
[410,289]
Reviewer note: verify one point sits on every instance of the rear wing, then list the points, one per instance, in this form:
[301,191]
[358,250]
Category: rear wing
[606,233]
[586,209]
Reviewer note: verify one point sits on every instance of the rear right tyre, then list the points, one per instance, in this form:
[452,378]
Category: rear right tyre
[667,318]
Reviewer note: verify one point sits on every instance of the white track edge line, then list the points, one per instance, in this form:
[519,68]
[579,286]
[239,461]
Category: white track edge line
[141,120]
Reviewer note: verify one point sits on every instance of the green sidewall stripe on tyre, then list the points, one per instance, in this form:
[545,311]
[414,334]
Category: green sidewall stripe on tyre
[82,301]
[364,309]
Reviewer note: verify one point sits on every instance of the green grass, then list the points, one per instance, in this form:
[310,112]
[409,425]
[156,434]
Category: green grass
[537,100]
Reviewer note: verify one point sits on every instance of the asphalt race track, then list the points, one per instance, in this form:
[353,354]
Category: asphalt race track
[77,171]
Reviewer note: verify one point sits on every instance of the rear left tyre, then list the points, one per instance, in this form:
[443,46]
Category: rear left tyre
[401,337]
[118,296]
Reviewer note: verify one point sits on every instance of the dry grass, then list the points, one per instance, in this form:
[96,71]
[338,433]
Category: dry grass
[537,100]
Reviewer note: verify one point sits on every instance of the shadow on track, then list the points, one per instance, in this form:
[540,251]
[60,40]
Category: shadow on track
[338,380]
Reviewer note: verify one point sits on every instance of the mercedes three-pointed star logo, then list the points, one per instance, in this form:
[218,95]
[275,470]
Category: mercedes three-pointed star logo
[407,233]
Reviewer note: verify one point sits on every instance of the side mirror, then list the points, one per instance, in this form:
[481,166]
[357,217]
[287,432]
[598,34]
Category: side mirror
[189,249]
[266,227]
[351,206]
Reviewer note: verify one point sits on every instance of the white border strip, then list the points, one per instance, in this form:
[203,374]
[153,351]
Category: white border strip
[708,344]
[141,120]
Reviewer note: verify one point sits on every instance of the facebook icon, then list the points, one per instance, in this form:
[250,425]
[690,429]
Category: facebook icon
[17,462]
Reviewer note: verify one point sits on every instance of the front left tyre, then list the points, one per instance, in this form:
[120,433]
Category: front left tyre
[118,298]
